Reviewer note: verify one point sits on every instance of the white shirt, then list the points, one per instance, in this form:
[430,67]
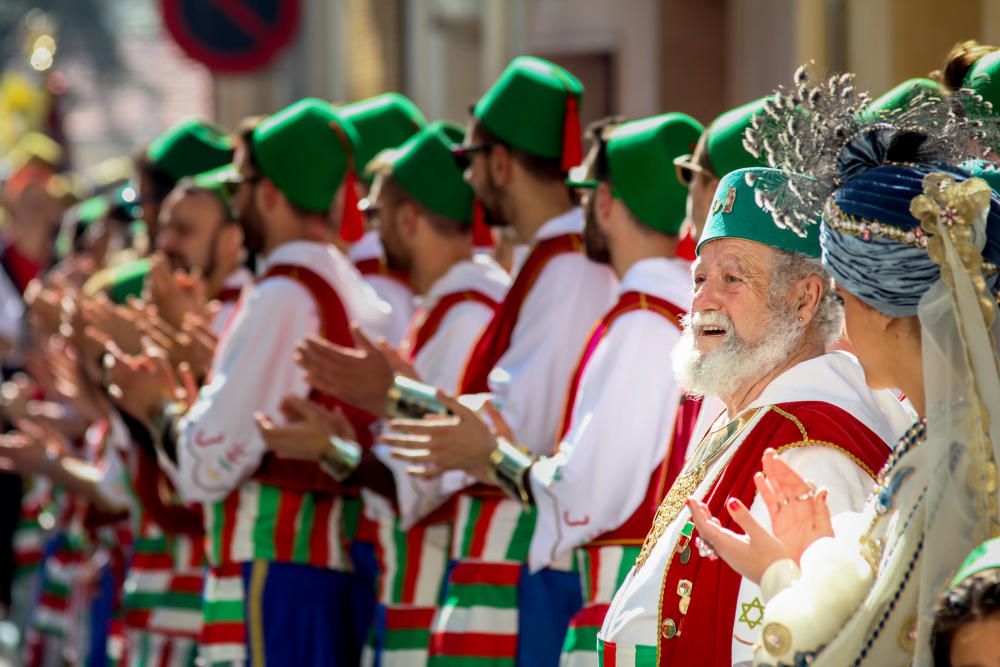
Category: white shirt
[529,381]
[218,444]
[396,294]
[623,418]
[834,378]
[442,358]
[440,362]
[238,279]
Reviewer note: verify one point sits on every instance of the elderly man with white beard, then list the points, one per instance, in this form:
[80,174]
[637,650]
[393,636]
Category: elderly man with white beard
[762,318]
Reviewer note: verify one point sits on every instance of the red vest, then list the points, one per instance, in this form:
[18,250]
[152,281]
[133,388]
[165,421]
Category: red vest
[705,633]
[335,326]
[376,266]
[420,335]
[634,529]
[496,338]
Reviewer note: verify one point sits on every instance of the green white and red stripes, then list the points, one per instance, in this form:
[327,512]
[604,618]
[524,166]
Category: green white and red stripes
[162,590]
[54,614]
[224,633]
[142,649]
[407,637]
[411,563]
[602,570]
[492,528]
[477,623]
[613,655]
[262,522]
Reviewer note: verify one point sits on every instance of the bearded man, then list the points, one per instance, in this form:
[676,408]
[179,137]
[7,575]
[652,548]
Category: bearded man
[762,316]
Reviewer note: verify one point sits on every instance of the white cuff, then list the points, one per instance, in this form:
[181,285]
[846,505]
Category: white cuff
[778,576]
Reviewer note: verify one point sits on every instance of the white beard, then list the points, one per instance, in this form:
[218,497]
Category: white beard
[722,371]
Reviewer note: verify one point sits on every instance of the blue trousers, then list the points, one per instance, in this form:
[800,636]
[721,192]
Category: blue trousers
[299,615]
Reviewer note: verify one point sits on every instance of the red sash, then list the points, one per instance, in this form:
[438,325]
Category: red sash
[705,633]
[634,529]
[376,266]
[306,476]
[429,326]
[627,302]
[496,338]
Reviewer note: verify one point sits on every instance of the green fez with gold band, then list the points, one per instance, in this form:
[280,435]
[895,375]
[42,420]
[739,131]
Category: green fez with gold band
[736,214]
[640,155]
[425,169]
[984,79]
[534,107]
[384,121]
[190,147]
[307,150]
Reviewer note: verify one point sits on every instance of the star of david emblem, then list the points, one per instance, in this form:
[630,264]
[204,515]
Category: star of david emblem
[751,613]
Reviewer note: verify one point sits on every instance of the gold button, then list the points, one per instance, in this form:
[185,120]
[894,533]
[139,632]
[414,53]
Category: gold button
[777,639]
[669,629]
[683,605]
[684,587]
[908,635]
[686,555]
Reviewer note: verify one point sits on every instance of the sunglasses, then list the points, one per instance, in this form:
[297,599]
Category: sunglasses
[686,169]
[463,153]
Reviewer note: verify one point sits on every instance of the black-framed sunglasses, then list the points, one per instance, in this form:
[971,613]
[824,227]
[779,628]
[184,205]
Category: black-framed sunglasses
[463,152]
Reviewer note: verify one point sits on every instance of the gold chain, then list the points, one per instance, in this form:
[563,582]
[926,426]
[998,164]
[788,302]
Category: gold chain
[691,477]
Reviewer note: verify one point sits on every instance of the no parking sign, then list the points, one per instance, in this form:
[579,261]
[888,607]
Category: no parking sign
[232,36]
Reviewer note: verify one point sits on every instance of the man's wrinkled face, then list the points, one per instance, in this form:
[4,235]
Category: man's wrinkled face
[189,229]
[732,280]
[739,327]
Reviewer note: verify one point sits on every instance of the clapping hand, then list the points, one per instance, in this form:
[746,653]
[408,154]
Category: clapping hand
[799,516]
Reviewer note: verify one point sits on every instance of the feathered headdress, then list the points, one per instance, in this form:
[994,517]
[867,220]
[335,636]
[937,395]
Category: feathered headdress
[821,133]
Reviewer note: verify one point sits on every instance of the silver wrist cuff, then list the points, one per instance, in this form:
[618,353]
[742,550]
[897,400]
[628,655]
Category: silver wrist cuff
[341,458]
[410,399]
[510,465]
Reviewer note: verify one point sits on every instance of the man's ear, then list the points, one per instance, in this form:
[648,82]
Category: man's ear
[605,200]
[809,294]
[500,164]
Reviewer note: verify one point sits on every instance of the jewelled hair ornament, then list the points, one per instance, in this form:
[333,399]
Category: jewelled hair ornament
[822,133]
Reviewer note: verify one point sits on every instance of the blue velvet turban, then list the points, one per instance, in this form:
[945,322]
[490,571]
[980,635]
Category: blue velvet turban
[890,273]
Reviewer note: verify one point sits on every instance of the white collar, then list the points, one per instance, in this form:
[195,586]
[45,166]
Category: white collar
[666,278]
[567,223]
[368,246]
[481,273]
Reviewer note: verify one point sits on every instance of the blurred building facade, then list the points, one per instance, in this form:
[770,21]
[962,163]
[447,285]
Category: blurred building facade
[635,57]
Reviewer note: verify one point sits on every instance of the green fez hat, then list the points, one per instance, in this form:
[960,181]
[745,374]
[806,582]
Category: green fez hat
[307,150]
[425,169]
[534,107]
[899,97]
[725,139]
[984,557]
[383,121]
[220,182]
[735,214]
[92,210]
[119,282]
[984,78]
[640,158]
[190,147]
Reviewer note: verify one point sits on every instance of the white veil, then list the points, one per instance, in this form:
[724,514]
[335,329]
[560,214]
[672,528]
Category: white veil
[959,330]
